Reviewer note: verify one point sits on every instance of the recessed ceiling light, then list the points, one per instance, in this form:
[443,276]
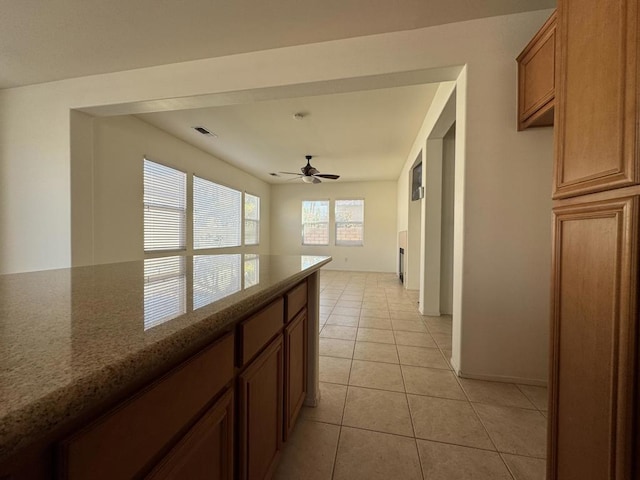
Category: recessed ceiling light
[204,131]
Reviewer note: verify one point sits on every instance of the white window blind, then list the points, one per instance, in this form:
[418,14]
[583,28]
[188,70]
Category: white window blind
[165,207]
[350,222]
[315,222]
[217,215]
[165,290]
[251,219]
[215,277]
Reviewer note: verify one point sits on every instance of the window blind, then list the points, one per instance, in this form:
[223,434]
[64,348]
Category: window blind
[165,207]
[349,222]
[215,277]
[315,222]
[165,290]
[251,219]
[217,215]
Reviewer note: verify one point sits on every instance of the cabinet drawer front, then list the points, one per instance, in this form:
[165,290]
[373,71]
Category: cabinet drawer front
[296,299]
[125,440]
[257,330]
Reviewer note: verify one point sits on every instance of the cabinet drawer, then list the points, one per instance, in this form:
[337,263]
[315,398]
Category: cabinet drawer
[295,300]
[125,440]
[257,330]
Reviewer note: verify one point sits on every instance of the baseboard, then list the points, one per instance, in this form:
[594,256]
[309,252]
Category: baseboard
[504,379]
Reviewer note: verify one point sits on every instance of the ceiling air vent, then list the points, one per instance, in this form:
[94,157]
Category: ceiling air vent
[204,131]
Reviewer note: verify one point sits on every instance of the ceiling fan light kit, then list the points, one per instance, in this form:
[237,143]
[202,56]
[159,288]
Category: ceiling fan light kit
[311,174]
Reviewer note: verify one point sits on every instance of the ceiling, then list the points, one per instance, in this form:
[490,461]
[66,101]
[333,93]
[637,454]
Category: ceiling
[361,136]
[45,40]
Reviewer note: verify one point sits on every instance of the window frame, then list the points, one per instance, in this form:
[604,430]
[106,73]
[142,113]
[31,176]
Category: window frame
[245,220]
[336,224]
[303,223]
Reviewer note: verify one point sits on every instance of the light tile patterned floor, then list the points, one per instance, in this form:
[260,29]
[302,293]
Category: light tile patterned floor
[392,408]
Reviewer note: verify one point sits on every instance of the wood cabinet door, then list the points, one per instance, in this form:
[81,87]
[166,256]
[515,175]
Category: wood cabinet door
[260,390]
[594,340]
[206,451]
[596,96]
[295,378]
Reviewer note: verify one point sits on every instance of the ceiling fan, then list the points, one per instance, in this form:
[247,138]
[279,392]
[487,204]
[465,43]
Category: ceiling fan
[311,174]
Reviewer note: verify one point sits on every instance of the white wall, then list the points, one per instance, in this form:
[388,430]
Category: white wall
[446,244]
[504,288]
[120,144]
[379,253]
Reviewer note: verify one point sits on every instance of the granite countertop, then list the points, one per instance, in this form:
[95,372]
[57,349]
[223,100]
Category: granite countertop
[71,339]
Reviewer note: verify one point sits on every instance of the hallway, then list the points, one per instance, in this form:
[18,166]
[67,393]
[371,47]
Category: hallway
[391,408]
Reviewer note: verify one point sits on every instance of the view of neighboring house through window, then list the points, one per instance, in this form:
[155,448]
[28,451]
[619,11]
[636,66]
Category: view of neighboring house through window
[251,219]
[165,207]
[315,222]
[217,215]
[349,222]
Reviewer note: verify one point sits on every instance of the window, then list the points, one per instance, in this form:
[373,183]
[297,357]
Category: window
[217,213]
[251,219]
[315,222]
[350,222]
[165,207]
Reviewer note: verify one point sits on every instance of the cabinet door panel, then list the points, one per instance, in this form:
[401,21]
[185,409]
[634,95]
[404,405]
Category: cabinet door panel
[295,370]
[260,416]
[206,451]
[596,98]
[594,330]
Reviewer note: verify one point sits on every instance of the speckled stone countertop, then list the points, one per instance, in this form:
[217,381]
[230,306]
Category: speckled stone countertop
[74,338]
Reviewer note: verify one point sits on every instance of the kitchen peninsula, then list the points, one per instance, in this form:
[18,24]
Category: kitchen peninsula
[164,368]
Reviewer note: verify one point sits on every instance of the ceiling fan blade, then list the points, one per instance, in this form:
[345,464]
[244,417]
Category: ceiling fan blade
[316,180]
[327,175]
[291,173]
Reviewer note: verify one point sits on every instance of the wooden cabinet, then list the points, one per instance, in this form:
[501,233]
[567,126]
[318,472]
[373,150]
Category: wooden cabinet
[596,96]
[206,451]
[594,339]
[260,391]
[536,78]
[127,440]
[295,383]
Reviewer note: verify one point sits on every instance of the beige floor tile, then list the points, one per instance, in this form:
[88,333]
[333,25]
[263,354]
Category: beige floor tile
[537,395]
[347,321]
[375,312]
[405,305]
[432,382]
[375,305]
[495,393]
[376,352]
[310,452]
[439,324]
[422,357]
[334,370]
[349,303]
[375,335]
[408,325]
[365,455]
[414,339]
[404,315]
[446,353]
[441,461]
[333,347]
[328,302]
[385,376]
[442,339]
[515,430]
[377,410]
[330,407]
[339,331]
[526,468]
[373,322]
[325,310]
[351,311]
[450,421]
[351,297]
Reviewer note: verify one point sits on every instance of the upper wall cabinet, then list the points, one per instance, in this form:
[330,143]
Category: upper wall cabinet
[536,78]
[596,96]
